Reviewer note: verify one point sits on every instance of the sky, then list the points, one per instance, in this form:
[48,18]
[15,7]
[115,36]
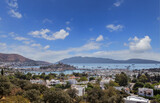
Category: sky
[51,30]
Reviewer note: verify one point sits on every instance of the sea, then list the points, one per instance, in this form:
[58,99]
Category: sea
[90,66]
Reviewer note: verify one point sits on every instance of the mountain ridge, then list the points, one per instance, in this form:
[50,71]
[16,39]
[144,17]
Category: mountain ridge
[79,59]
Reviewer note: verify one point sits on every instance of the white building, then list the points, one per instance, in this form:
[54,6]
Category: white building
[105,81]
[157,87]
[127,90]
[83,82]
[38,81]
[135,99]
[54,82]
[93,81]
[80,89]
[145,92]
[72,81]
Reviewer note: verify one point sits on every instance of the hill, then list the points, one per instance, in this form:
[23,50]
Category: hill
[16,59]
[104,60]
[13,58]
[58,67]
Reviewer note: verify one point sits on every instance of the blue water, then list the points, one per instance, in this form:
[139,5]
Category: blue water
[114,66]
[65,72]
[100,66]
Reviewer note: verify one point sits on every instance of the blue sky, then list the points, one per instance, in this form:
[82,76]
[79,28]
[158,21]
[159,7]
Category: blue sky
[51,30]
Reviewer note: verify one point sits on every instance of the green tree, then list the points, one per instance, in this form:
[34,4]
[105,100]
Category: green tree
[111,83]
[157,97]
[28,76]
[135,80]
[148,77]
[2,71]
[72,93]
[62,74]
[143,79]
[33,95]
[121,79]
[137,85]
[91,78]
[56,97]
[5,86]
[15,99]
[98,80]
[148,85]
[112,96]
[83,79]
[24,84]
[43,75]
[95,95]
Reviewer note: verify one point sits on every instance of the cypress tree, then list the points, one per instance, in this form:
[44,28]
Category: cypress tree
[2,72]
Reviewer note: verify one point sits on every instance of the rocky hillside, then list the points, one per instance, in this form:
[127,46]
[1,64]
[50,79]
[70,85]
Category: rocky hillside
[13,58]
[18,60]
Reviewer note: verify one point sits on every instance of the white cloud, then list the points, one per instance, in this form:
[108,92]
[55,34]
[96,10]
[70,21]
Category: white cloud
[40,53]
[62,34]
[99,38]
[36,45]
[67,22]
[12,34]
[46,20]
[37,52]
[140,45]
[112,27]
[40,34]
[3,36]
[20,38]
[158,18]
[68,28]
[12,3]
[87,47]
[15,14]
[3,44]
[26,42]
[47,47]
[13,7]
[118,3]
[125,44]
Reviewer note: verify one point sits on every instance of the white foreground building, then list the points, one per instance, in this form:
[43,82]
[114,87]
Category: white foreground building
[135,99]
[80,89]
[145,92]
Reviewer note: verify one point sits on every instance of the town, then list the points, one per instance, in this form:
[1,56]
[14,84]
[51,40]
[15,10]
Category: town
[125,86]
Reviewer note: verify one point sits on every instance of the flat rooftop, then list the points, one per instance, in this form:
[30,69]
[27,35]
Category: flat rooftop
[136,98]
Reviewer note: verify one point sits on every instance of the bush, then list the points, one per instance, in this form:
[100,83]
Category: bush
[33,95]
[14,99]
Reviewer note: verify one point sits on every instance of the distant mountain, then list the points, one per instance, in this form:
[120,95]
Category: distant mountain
[104,60]
[20,60]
